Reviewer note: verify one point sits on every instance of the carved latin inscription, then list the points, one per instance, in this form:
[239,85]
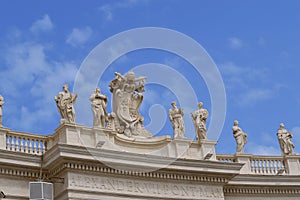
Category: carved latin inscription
[145,188]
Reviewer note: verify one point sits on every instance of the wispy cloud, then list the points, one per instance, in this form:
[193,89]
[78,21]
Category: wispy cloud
[236,76]
[258,149]
[42,25]
[235,43]
[28,69]
[249,84]
[255,95]
[262,42]
[108,9]
[296,136]
[79,36]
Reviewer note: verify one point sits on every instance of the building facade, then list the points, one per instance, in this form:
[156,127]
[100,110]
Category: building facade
[118,159]
[98,163]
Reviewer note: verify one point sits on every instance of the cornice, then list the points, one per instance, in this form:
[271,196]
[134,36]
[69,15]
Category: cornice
[98,169]
[234,190]
[127,160]
[18,172]
[265,180]
[19,158]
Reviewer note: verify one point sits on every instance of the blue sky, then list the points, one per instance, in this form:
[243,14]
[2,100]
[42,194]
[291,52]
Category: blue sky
[255,45]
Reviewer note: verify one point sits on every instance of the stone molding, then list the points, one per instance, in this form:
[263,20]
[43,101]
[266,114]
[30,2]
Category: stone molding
[24,173]
[153,175]
[237,189]
[141,188]
[135,162]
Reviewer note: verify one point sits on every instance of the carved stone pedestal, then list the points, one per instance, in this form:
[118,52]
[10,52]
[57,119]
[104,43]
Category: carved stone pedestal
[292,164]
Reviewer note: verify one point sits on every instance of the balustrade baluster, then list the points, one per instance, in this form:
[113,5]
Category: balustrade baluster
[15,143]
[26,145]
[33,146]
[21,144]
[8,144]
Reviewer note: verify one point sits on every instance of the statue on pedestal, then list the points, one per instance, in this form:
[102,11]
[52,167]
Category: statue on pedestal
[1,103]
[110,124]
[240,137]
[65,103]
[284,139]
[199,119]
[98,103]
[176,118]
[127,98]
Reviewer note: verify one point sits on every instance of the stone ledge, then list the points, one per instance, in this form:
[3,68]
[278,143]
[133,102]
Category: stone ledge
[254,190]
[126,160]
[212,178]
[265,180]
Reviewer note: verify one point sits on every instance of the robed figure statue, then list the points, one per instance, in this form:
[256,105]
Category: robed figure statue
[65,103]
[199,119]
[98,104]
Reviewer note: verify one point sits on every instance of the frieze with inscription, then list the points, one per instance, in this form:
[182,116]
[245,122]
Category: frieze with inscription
[145,188]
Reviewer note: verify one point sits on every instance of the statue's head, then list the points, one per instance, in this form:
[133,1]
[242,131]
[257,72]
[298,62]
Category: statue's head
[281,125]
[130,76]
[65,87]
[173,103]
[200,104]
[97,90]
[236,122]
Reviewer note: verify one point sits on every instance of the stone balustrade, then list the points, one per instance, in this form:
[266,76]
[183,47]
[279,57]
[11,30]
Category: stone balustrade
[38,144]
[23,142]
[225,157]
[265,165]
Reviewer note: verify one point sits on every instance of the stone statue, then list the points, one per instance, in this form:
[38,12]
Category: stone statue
[1,103]
[111,124]
[176,118]
[98,103]
[65,103]
[199,119]
[240,137]
[284,139]
[127,98]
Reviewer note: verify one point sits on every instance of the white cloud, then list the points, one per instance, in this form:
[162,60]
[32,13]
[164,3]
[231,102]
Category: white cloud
[42,25]
[248,84]
[296,138]
[79,36]
[108,9]
[257,74]
[254,95]
[262,42]
[235,43]
[257,149]
[28,69]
